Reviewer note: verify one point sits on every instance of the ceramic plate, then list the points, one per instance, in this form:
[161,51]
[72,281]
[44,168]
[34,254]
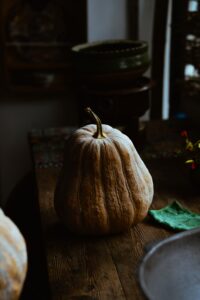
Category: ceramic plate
[171,269]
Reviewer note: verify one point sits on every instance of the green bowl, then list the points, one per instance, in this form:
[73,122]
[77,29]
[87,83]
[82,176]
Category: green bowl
[110,61]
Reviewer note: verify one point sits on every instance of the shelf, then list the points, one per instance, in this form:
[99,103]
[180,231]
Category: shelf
[33,56]
[38,66]
[39,44]
[36,90]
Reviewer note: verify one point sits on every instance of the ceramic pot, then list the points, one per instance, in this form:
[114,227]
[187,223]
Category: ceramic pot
[111,61]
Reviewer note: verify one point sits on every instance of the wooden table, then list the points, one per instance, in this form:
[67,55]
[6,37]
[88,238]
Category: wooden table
[107,267]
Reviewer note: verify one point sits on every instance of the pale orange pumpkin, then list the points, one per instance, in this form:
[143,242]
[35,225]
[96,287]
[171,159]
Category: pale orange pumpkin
[104,186]
[13,259]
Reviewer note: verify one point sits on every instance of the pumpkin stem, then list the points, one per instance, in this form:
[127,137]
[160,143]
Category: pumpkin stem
[99,134]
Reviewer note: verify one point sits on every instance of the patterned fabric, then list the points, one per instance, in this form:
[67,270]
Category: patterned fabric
[48,146]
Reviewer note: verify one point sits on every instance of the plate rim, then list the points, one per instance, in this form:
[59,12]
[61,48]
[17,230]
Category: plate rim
[152,250]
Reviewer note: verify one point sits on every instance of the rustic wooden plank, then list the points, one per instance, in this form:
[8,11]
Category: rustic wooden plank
[127,251]
[82,269]
[101,268]
[78,267]
[107,267]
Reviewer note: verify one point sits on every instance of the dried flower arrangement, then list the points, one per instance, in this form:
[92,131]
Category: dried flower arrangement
[191,152]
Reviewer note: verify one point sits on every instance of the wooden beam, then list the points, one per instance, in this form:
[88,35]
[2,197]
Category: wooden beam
[178,53]
[132,19]
[158,52]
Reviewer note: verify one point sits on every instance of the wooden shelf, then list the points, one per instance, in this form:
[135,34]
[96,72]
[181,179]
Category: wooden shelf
[38,66]
[28,55]
[36,90]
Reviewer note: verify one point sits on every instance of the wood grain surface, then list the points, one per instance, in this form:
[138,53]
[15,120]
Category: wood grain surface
[107,267]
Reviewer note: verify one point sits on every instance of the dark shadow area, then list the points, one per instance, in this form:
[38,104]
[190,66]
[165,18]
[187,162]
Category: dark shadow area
[22,208]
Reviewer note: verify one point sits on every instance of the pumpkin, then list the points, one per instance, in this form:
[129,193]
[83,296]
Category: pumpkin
[13,259]
[104,186]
